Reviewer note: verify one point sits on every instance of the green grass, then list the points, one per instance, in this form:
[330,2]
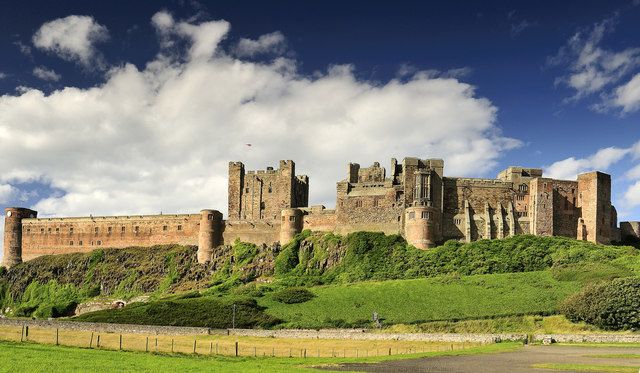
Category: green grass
[422,300]
[38,358]
[588,368]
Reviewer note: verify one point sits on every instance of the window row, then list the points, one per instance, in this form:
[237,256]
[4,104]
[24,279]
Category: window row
[96,230]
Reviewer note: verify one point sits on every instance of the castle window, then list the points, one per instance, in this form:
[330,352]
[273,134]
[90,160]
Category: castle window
[270,189]
[109,229]
[122,230]
[179,227]
[70,243]
[292,218]
[412,215]
[99,243]
[210,217]
[71,230]
[283,218]
[28,230]
[95,230]
[79,243]
[246,190]
[425,215]
[42,230]
[524,188]
[136,229]
[164,227]
[49,230]
[57,230]
[358,203]
[375,202]
[457,221]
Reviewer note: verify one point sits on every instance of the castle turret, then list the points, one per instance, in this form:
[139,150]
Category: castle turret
[210,235]
[291,224]
[13,234]
[421,226]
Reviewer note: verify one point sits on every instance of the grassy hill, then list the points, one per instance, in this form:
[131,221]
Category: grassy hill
[352,276]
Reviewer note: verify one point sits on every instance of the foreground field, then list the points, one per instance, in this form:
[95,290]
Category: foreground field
[429,299]
[37,358]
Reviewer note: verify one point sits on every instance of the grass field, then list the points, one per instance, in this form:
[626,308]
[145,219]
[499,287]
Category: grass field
[31,357]
[428,299]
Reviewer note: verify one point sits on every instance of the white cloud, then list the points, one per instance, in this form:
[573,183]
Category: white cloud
[591,67]
[268,43]
[73,38]
[632,195]
[160,138]
[2,75]
[626,96]
[6,192]
[633,173]
[46,74]
[568,169]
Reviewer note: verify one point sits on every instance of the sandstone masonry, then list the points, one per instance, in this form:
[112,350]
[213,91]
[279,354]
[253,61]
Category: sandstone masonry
[413,199]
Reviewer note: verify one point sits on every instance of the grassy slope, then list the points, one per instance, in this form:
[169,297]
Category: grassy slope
[419,300]
[39,358]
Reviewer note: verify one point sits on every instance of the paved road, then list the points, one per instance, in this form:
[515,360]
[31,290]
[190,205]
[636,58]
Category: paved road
[513,362]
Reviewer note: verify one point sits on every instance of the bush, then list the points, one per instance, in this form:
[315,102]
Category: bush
[611,305]
[293,295]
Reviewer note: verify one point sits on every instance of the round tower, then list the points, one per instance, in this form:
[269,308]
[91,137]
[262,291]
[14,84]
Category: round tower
[291,224]
[13,234]
[210,235]
[421,225]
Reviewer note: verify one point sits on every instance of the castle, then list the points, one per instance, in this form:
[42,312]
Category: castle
[414,199]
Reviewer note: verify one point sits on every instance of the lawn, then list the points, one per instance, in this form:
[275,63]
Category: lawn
[38,358]
[423,300]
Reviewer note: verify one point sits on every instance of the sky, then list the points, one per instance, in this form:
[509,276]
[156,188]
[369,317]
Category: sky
[127,107]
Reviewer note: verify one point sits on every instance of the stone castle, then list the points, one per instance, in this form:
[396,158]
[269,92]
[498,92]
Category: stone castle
[413,199]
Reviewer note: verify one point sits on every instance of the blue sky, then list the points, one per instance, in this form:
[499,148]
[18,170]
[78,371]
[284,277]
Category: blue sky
[136,107]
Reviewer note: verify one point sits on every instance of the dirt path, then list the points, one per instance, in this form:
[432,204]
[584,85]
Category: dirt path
[513,362]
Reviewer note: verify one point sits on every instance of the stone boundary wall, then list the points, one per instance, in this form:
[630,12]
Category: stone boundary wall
[350,334]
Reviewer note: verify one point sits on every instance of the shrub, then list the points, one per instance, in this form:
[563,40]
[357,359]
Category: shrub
[293,295]
[611,305]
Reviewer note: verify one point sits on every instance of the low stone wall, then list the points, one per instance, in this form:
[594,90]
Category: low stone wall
[352,334]
[364,334]
[589,338]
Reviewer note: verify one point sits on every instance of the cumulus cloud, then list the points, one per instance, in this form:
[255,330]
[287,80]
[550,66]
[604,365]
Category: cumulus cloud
[160,138]
[568,169]
[46,74]
[2,75]
[268,43]
[73,38]
[6,192]
[627,96]
[593,68]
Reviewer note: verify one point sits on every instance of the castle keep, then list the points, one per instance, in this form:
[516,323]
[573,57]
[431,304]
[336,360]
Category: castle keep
[413,199]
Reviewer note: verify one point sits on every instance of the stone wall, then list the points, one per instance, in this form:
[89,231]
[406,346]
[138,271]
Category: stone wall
[630,229]
[45,236]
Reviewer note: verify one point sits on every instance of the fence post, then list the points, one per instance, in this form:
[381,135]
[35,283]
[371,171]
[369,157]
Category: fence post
[236,348]
[98,342]
[171,345]
[91,341]
[26,333]
[156,345]
[389,351]
[210,347]
[120,342]
[305,353]
[255,353]
[57,344]
[194,345]
[146,347]
[22,333]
